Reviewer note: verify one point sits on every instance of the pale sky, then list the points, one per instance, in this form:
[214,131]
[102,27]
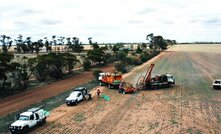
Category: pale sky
[108,21]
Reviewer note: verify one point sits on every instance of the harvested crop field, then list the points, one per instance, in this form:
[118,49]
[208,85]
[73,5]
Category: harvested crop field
[192,106]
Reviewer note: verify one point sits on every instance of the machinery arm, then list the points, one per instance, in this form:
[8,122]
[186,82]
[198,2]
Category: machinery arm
[147,77]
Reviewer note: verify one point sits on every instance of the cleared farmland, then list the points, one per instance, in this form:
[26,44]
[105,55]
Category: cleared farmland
[192,106]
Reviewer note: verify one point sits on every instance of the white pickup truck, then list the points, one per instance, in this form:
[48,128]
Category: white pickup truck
[28,119]
[77,95]
[217,84]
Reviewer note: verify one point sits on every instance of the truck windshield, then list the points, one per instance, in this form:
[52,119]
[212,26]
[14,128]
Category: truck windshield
[23,118]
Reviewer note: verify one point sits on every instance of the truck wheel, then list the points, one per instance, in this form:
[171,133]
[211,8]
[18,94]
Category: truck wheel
[123,92]
[109,86]
[43,121]
[76,102]
[25,130]
[101,83]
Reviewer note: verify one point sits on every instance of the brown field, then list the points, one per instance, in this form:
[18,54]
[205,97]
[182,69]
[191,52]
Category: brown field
[192,106]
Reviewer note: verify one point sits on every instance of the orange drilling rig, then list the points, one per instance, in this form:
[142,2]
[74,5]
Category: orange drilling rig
[159,81]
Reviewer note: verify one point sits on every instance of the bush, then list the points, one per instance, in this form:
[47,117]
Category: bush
[120,67]
[145,57]
[87,65]
[155,53]
[96,73]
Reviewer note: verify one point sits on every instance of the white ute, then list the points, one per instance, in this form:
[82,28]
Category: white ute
[77,95]
[217,84]
[27,120]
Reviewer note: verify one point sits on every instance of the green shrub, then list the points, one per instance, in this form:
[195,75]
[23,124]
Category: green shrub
[87,65]
[120,67]
[145,57]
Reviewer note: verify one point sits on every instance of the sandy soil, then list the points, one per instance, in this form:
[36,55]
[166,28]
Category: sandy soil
[19,101]
[192,106]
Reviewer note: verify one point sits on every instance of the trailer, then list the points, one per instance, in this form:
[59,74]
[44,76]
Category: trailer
[111,80]
[159,81]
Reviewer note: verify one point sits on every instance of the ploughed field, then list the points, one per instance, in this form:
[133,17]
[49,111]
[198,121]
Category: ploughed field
[192,106]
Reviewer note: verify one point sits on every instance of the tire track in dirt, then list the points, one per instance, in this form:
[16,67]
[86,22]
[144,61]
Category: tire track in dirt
[110,122]
[181,109]
[204,111]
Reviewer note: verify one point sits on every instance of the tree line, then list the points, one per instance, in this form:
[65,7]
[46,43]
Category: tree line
[15,75]
[158,42]
[28,46]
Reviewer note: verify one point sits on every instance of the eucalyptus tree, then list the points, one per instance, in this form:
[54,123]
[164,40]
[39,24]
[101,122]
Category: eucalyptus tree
[20,43]
[160,42]
[156,42]
[94,45]
[28,42]
[68,43]
[60,42]
[150,38]
[38,45]
[6,43]
[5,59]
[144,46]
[47,44]
[96,55]
[77,46]
[54,42]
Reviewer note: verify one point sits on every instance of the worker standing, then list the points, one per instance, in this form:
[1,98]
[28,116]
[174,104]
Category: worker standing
[98,92]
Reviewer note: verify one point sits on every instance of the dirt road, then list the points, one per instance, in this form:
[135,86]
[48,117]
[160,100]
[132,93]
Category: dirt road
[19,101]
[192,106]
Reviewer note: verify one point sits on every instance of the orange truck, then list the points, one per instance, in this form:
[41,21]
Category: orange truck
[111,80]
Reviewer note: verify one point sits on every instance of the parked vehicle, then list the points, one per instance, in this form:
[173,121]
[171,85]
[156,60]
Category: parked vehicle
[159,81]
[217,84]
[78,94]
[126,87]
[111,80]
[28,119]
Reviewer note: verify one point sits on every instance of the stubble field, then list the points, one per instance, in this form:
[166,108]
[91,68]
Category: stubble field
[192,106]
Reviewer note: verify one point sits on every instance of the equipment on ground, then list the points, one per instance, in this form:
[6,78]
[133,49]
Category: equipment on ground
[112,80]
[77,95]
[28,119]
[159,81]
[126,87]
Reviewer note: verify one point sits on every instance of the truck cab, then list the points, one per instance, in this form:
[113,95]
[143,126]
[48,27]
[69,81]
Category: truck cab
[27,120]
[161,81]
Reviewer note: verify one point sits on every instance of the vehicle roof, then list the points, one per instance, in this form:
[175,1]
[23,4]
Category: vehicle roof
[79,88]
[26,113]
[75,92]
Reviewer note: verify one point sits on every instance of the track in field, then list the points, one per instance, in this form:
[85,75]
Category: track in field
[192,106]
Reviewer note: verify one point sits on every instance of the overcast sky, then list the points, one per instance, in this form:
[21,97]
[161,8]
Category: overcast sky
[112,20]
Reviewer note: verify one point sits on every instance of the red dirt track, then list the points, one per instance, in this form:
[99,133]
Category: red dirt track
[19,101]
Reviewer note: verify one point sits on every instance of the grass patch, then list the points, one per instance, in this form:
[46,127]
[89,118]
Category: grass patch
[173,122]
[153,125]
[99,107]
[79,117]
[191,131]
[49,104]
